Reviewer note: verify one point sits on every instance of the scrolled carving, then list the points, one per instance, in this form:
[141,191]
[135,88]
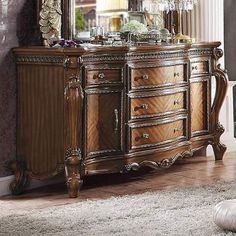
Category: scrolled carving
[163,164]
[73,158]
[221,89]
[22,179]
[50,20]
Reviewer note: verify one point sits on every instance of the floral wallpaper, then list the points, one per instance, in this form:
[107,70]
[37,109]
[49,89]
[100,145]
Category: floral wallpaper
[17,27]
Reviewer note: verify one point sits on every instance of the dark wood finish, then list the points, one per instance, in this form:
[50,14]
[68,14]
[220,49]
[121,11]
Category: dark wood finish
[96,110]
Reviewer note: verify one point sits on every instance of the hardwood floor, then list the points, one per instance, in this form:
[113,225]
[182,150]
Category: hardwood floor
[196,171]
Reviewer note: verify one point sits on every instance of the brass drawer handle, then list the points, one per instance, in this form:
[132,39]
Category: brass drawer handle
[145,77]
[176,102]
[194,67]
[176,74]
[176,130]
[101,75]
[145,135]
[143,106]
[116,120]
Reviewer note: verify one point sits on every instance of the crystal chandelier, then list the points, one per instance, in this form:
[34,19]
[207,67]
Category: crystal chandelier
[176,5]
[179,6]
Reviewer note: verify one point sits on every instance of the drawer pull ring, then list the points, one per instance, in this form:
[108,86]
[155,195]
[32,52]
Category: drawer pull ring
[176,130]
[195,68]
[116,120]
[176,102]
[145,77]
[176,74]
[101,76]
[145,106]
[146,136]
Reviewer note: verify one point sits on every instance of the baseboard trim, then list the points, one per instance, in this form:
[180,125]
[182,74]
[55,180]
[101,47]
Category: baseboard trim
[5,183]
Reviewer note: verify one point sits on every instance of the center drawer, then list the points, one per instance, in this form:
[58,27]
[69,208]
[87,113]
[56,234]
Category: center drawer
[150,135]
[158,76]
[157,105]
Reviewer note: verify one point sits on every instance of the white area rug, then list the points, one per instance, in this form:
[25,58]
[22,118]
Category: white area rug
[186,211]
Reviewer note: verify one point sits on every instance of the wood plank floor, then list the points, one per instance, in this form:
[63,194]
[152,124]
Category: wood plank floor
[188,172]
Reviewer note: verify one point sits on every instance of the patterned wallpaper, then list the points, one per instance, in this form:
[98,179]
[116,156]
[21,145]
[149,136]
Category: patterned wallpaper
[17,27]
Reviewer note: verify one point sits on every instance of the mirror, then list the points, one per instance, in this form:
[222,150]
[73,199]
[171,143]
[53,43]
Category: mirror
[99,17]
[83,19]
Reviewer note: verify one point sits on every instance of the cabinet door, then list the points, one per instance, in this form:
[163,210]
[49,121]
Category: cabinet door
[200,106]
[103,123]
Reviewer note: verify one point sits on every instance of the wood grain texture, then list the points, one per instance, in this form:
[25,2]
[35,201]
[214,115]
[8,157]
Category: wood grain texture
[200,114]
[103,128]
[157,76]
[151,106]
[40,137]
[200,67]
[104,76]
[155,135]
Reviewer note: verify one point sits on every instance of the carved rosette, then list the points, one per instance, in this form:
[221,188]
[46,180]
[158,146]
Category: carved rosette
[73,157]
[221,90]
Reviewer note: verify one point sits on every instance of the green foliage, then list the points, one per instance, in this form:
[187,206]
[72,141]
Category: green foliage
[80,23]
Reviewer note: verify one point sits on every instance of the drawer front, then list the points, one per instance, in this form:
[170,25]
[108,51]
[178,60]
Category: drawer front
[158,105]
[201,67]
[104,76]
[157,76]
[149,136]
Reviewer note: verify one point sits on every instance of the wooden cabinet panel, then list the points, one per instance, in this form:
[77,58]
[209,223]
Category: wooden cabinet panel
[158,105]
[156,134]
[157,76]
[103,123]
[200,106]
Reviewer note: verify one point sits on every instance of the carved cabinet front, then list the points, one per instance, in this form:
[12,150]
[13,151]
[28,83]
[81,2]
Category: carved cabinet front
[107,110]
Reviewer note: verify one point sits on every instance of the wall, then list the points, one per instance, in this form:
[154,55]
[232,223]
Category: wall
[17,27]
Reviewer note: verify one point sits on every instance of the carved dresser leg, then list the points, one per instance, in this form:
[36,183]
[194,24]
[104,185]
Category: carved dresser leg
[218,147]
[221,90]
[73,175]
[21,180]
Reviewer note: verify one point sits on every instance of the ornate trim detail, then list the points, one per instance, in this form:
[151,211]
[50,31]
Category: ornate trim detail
[40,59]
[166,163]
[143,56]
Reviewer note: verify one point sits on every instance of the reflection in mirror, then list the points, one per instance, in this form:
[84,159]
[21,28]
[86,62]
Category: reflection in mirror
[102,17]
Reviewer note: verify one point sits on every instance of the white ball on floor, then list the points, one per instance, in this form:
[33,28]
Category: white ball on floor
[225,215]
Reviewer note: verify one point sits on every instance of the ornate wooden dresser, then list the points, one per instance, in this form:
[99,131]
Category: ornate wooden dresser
[114,109]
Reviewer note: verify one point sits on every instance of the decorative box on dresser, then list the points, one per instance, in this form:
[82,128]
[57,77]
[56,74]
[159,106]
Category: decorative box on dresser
[114,109]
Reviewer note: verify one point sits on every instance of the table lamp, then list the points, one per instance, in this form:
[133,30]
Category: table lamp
[115,9]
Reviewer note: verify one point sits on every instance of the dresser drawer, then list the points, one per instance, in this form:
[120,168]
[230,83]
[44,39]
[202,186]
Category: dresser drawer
[157,76]
[104,76]
[154,135]
[200,67]
[145,107]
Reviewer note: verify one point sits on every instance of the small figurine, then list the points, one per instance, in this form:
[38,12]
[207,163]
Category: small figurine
[50,21]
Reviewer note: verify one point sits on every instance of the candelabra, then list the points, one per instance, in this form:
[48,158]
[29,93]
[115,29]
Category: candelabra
[179,6]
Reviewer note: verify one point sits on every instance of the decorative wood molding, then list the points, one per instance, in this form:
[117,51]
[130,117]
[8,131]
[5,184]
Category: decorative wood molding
[166,163]
[40,59]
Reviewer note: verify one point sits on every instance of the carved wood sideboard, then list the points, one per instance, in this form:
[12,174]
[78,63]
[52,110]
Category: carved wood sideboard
[114,109]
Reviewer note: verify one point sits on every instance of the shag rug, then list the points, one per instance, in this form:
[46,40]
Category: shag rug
[185,211]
